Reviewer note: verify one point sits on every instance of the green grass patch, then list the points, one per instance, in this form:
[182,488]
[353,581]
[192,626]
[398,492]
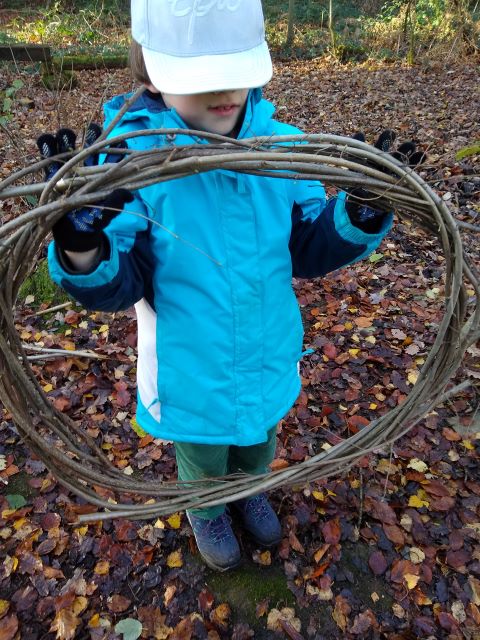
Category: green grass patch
[41,287]
[88,27]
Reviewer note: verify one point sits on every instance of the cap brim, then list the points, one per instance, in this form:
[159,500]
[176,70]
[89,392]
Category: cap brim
[202,74]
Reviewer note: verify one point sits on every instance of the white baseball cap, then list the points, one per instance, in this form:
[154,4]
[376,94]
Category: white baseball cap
[197,46]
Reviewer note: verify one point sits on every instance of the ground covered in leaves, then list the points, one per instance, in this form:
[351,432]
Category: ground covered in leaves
[389,550]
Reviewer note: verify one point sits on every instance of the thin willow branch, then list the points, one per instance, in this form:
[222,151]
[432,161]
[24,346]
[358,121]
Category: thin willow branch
[56,353]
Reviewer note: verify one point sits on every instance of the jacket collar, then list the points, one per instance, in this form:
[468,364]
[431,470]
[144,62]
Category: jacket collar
[151,112]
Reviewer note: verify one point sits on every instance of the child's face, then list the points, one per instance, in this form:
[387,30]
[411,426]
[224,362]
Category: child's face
[215,112]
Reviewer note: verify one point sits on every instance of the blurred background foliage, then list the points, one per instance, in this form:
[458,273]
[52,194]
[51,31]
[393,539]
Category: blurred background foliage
[347,29]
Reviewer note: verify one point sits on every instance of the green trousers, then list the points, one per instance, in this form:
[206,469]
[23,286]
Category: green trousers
[199,461]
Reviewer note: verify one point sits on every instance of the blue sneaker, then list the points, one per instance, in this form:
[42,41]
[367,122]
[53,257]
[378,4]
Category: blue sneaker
[216,541]
[259,519]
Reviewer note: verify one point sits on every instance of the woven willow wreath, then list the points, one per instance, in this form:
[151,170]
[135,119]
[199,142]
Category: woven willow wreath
[76,460]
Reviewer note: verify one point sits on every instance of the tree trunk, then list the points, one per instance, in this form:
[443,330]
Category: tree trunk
[330,27]
[411,18]
[291,22]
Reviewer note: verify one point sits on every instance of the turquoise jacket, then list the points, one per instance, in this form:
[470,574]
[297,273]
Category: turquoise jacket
[209,268]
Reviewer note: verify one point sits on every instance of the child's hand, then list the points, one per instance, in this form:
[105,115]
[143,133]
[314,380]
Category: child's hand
[81,229]
[406,152]
[363,213]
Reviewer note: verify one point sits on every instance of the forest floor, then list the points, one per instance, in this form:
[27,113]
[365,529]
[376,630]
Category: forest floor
[390,549]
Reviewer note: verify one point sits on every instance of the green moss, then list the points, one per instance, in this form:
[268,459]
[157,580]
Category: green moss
[244,588]
[19,484]
[42,288]
[59,80]
[89,61]
[249,585]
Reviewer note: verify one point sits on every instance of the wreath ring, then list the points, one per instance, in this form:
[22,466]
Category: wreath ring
[67,450]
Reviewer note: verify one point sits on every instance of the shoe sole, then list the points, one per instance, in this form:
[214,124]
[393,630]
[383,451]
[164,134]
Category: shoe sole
[267,545]
[213,566]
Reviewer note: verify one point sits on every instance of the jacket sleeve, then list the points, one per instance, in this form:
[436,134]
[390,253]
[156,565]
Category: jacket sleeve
[323,238]
[123,276]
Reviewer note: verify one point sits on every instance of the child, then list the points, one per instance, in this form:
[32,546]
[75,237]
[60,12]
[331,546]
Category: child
[219,328]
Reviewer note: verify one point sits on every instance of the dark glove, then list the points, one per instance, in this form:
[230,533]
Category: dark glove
[359,206]
[81,229]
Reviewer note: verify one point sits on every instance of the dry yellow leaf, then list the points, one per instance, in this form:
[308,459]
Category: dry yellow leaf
[321,552]
[46,484]
[353,352]
[18,524]
[102,568]
[348,325]
[468,445]
[48,387]
[4,605]
[159,524]
[417,502]
[411,580]
[386,467]
[287,614]
[94,621]
[265,558]
[174,520]
[416,555]
[81,530]
[223,612]
[398,611]
[475,588]
[10,565]
[453,455]
[418,465]
[79,605]
[413,376]
[318,495]
[422,600]
[175,560]
[65,624]
[169,593]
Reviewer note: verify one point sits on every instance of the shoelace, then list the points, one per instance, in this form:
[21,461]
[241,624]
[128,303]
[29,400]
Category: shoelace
[258,507]
[218,528]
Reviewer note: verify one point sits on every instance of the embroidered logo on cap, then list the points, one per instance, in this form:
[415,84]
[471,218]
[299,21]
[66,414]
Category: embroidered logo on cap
[199,9]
